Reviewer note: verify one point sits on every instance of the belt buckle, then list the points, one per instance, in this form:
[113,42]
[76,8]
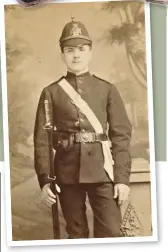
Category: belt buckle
[84,137]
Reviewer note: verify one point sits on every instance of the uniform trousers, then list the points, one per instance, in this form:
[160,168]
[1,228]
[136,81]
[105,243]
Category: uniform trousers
[106,212]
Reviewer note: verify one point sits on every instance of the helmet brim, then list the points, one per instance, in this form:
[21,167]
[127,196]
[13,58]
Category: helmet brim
[75,42]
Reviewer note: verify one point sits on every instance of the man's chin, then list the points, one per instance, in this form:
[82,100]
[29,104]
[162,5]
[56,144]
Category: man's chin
[77,69]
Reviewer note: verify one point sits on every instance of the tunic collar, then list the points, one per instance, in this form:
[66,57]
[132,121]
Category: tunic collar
[70,74]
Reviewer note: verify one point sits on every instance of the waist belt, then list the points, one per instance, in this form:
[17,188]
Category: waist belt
[80,137]
[89,137]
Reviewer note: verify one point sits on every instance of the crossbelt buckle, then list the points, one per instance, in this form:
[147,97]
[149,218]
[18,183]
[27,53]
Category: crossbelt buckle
[85,137]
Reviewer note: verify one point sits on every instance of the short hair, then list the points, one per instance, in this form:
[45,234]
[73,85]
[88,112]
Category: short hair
[62,47]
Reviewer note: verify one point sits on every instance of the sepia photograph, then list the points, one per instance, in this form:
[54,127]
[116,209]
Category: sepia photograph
[79,130]
[34,3]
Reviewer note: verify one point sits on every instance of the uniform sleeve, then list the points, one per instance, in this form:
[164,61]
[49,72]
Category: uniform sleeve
[120,131]
[41,149]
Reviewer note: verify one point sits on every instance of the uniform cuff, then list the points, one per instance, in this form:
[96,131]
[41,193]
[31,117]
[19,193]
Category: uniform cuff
[125,179]
[43,180]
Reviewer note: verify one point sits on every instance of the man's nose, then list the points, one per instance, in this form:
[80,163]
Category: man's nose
[76,54]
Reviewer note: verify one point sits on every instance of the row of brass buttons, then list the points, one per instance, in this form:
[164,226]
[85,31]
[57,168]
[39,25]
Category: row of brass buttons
[72,102]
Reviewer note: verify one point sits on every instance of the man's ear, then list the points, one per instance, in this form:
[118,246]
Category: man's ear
[63,56]
[90,54]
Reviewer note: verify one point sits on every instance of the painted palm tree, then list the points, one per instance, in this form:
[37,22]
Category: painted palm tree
[130,32]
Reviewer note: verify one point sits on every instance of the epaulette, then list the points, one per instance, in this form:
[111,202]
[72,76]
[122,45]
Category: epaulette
[101,77]
[55,82]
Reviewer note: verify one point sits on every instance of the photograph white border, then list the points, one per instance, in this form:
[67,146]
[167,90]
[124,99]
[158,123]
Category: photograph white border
[167,84]
[1,165]
[154,236]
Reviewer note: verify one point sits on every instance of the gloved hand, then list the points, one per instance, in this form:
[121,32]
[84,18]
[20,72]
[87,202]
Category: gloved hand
[121,191]
[48,196]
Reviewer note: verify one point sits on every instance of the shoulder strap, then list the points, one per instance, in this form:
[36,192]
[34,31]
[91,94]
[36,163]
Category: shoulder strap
[101,77]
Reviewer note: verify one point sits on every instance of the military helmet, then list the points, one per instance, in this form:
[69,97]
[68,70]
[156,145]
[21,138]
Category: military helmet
[73,34]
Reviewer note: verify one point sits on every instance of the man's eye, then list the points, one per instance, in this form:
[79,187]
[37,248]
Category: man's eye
[82,48]
[69,50]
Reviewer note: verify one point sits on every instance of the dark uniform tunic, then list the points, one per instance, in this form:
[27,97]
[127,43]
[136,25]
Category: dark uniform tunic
[81,165]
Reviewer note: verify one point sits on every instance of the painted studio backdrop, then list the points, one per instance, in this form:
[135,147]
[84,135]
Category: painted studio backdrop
[34,61]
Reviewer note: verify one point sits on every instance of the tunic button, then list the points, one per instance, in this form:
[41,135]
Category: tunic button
[80,91]
[81,120]
[77,123]
[72,102]
[80,80]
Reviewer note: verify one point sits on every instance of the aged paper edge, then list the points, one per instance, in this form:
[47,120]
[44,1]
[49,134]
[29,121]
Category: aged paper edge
[154,237]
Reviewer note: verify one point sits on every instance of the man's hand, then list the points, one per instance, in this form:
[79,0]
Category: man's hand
[121,191]
[48,195]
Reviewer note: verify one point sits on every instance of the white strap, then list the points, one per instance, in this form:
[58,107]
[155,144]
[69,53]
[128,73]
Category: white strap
[87,111]
[82,105]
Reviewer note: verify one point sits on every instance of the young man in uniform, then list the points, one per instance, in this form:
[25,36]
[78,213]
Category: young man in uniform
[81,106]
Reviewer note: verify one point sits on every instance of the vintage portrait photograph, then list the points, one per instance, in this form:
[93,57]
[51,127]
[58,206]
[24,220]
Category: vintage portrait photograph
[79,140]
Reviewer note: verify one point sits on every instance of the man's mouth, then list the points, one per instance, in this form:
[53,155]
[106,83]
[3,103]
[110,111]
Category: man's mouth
[76,62]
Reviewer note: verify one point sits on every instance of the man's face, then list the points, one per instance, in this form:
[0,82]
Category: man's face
[77,58]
